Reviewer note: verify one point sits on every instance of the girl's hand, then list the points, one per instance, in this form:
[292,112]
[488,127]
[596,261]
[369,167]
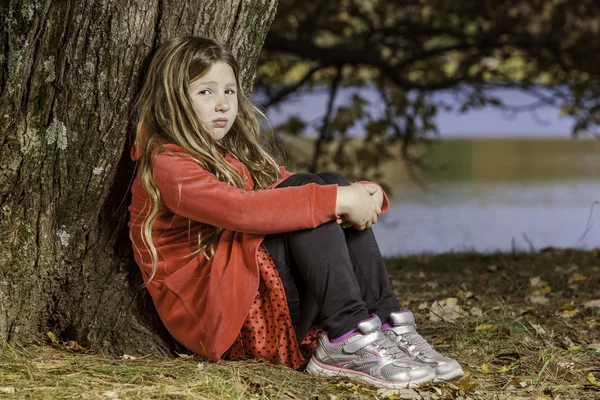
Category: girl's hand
[377,194]
[356,205]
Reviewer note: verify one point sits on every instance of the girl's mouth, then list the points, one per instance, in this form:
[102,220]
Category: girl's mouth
[220,123]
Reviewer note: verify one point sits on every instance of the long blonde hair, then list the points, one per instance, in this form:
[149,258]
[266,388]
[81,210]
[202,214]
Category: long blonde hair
[164,114]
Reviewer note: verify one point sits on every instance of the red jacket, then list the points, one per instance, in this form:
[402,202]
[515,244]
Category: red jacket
[203,303]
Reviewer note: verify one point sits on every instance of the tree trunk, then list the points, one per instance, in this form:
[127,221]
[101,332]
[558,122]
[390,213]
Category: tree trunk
[68,73]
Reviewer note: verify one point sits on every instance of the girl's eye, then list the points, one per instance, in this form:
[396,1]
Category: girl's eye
[204,92]
[230,91]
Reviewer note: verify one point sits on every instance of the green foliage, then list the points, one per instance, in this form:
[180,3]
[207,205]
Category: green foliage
[406,51]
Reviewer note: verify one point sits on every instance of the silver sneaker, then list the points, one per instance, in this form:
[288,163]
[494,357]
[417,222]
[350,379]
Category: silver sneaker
[368,356]
[404,334]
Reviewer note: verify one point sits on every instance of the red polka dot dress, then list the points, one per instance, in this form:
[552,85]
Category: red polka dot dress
[268,332]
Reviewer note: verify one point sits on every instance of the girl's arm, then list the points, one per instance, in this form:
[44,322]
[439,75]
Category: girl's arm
[192,192]
[385,203]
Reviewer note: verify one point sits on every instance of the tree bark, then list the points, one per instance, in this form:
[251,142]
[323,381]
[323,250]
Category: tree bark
[68,73]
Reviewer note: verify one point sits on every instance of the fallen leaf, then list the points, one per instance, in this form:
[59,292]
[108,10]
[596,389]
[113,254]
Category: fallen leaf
[432,284]
[538,329]
[538,299]
[7,389]
[484,369]
[536,282]
[594,346]
[53,338]
[568,313]
[408,394]
[492,268]
[423,306]
[464,295]
[506,368]
[128,357]
[111,395]
[578,278]
[447,310]
[466,384]
[514,383]
[577,347]
[592,379]
[592,304]
[543,290]
[201,366]
[484,327]
[528,310]
[591,323]
[476,312]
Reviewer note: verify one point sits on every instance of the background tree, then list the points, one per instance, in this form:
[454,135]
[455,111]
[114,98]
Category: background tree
[406,51]
[68,73]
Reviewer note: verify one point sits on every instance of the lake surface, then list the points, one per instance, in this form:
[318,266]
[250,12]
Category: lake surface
[491,195]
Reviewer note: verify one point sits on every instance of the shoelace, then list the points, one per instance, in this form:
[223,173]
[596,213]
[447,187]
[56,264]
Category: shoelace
[416,345]
[388,347]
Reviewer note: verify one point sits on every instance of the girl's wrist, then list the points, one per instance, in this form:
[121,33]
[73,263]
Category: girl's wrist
[341,201]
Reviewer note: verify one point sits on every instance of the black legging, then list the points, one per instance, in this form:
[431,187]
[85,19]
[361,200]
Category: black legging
[336,275]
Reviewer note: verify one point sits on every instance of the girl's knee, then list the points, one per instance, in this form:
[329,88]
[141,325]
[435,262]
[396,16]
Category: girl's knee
[302,178]
[334,178]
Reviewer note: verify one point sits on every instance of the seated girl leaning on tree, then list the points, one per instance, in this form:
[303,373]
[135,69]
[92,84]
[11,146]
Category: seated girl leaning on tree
[245,259]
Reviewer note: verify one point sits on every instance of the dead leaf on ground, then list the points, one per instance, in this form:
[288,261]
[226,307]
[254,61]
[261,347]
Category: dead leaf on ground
[592,304]
[484,369]
[467,383]
[53,338]
[538,299]
[447,310]
[591,379]
[484,327]
[578,278]
[514,383]
[464,294]
[537,282]
[591,323]
[538,329]
[7,389]
[476,312]
[568,313]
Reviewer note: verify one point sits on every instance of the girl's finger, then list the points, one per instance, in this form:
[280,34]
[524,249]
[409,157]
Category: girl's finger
[371,188]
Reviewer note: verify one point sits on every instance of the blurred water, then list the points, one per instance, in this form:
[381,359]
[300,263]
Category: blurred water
[488,217]
[497,195]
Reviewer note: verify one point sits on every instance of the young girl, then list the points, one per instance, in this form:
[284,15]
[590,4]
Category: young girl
[245,259]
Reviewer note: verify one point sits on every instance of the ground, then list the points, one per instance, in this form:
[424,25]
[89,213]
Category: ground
[524,326]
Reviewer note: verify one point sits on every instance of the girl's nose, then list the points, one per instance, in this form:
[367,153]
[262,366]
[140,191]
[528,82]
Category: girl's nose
[223,104]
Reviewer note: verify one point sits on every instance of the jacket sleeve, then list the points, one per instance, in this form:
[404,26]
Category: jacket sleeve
[190,191]
[284,172]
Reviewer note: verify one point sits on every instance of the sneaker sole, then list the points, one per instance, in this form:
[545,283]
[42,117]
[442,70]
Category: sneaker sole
[452,375]
[316,367]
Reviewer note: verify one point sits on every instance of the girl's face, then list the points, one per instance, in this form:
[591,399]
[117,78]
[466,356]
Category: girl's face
[214,98]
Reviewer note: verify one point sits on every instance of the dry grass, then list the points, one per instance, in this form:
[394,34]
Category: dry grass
[523,331]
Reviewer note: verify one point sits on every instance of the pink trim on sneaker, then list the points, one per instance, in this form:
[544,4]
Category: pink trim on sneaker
[344,336]
[386,326]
